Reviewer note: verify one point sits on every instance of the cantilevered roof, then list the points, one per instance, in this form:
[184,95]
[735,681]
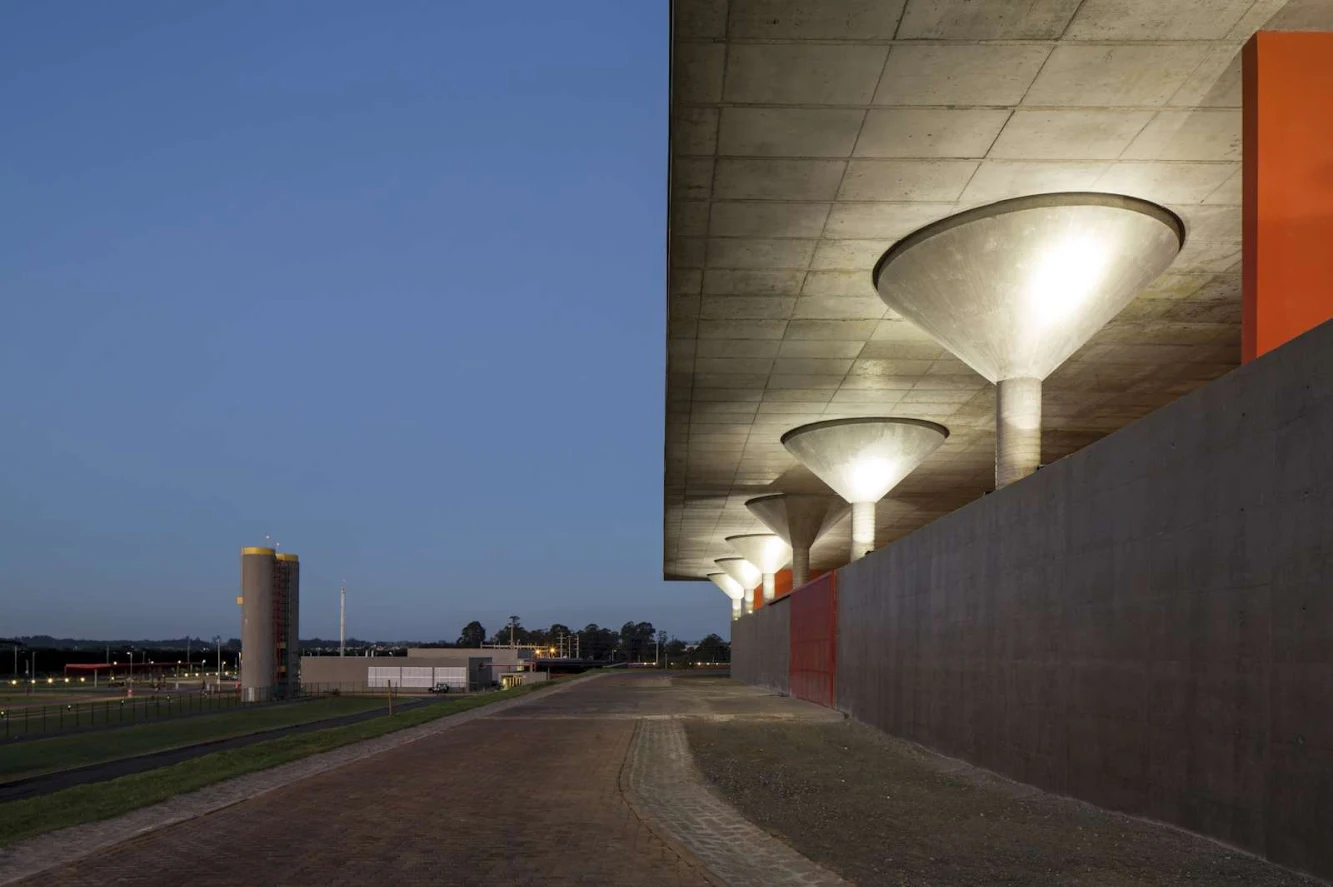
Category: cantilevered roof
[808,135]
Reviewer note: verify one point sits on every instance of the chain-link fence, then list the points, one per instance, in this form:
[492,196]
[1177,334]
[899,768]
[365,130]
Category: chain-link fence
[19,720]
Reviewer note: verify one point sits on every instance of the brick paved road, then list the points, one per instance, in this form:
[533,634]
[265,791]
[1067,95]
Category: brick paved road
[504,800]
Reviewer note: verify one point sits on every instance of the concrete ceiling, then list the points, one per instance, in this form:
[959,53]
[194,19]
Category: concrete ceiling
[809,135]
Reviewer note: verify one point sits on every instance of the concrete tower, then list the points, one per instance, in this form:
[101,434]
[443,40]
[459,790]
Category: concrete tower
[286,622]
[258,647]
[270,624]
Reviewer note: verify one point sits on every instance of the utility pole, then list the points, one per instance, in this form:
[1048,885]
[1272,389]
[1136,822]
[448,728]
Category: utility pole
[513,623]
[187,654]
[342,619]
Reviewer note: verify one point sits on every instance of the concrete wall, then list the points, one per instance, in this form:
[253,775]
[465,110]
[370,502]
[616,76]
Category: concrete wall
[761,646]
[1146,624]
[352,671]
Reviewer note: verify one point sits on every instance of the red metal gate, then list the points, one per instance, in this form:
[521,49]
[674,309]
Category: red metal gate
[814,635]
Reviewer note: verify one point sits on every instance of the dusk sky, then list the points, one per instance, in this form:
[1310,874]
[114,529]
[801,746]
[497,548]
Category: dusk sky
[384,281]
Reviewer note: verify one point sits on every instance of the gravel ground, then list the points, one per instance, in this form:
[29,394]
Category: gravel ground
[883,812]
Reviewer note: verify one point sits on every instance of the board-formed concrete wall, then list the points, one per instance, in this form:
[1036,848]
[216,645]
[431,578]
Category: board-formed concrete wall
[761,647]
[1146,624]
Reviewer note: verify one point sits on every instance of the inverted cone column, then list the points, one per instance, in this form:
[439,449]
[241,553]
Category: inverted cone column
[801,519]
[732,589]
[766,551]
[746,574]
[862,460]
[1014,288]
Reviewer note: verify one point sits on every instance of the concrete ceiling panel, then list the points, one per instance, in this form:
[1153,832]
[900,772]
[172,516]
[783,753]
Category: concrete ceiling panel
[834,330]
[753,252]
[911,132]
[1068,135]
[697,77]
[825,350]
[986,19]
[692,178]
[767,219]
[1165,182]
[789,132]
[1156,20]
[700,18]
[883,220]
[815,19]
[1133,75]
[838,283]
[1189,135]
[741,179]
[848,255]
[796,74]
[1212,223]
[1302,15]
[942,74]
[1215,83]
[689,218]
[742,329]
[766,282]
[1229,192]
[906,180]
[766,307]
[997,180]
[839,308]
[695,132]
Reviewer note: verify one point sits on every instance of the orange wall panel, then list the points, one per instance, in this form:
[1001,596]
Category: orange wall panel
[1288,187]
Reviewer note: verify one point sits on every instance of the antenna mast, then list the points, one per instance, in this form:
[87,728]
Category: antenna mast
[342,619]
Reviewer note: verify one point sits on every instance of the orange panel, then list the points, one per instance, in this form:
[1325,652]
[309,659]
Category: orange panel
[812,668]
[1288,187]
[781,583]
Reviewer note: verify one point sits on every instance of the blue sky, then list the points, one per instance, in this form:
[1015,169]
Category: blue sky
[383,281]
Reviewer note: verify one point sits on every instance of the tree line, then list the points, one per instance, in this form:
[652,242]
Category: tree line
[632,642]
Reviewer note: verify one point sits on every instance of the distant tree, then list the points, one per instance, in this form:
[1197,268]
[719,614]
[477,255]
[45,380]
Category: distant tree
[712,649]
[474,635]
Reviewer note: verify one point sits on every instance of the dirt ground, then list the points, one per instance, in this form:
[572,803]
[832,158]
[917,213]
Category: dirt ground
[882,812]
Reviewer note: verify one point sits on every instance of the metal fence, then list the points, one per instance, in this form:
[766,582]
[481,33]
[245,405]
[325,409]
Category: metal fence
[19,720]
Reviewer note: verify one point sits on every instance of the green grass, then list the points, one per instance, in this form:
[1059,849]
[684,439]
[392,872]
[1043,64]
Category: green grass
[38,756]
[57,716]
[102,800]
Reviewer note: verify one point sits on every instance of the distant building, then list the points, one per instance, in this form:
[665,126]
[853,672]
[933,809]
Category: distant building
[270,624]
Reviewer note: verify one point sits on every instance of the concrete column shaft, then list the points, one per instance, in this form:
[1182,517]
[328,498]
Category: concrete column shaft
[800,567]
[1017,429]
[770,588]
[736,608]
[749,600]
[863,529]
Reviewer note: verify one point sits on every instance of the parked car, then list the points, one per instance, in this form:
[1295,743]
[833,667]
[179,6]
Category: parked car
[440,688]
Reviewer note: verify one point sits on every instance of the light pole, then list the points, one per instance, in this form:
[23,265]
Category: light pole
[218,639]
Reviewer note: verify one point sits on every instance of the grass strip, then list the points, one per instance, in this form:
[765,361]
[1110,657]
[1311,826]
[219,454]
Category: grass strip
[40,756]
[102,800]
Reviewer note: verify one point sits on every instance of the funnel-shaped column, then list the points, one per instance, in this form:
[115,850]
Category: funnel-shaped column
[732,589]
[766,551]
[862,460]
[746,574]
[801,519]
[1014,288]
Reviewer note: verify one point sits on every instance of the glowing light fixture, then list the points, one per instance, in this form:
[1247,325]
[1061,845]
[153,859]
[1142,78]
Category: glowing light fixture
[862,460]
[800,519]
[746,574]
[732,589]
[1014,288]
[766,551]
